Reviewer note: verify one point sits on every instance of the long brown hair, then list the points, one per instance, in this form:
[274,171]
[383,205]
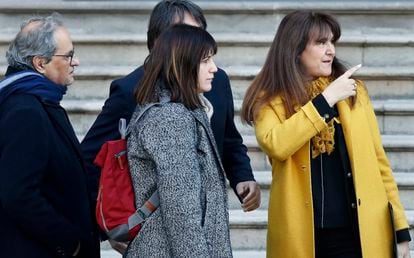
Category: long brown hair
[282,74]
[173,64]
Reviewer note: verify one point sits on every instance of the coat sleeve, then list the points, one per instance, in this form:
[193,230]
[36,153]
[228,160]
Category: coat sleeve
[105,128]
[235,160]
[23,165]
[279,137]
[390,185]
[170,140]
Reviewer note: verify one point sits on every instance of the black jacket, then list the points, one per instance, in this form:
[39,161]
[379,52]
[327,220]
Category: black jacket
[44,206]
[121,104]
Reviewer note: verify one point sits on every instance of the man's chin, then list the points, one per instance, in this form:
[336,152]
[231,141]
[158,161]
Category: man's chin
[69,82]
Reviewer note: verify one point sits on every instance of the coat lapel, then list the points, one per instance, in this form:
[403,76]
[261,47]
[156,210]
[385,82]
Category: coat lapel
[60,119]
[345,118]
[201,117]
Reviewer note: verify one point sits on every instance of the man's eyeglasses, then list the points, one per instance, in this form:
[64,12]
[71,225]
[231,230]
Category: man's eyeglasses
[69,56]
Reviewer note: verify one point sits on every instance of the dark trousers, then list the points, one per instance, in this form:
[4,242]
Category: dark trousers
[337,243]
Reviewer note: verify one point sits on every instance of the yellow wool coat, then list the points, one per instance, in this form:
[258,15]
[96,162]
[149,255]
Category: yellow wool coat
[287,143]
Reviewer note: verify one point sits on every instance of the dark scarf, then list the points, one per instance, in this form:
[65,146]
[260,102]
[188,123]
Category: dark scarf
[31,82]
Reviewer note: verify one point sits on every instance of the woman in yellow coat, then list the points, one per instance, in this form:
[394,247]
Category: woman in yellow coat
[332,186]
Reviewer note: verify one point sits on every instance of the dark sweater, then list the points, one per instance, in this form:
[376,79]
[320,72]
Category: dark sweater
[333,192]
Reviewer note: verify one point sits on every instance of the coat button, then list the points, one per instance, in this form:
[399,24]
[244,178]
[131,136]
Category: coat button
[353,205]
[349,175]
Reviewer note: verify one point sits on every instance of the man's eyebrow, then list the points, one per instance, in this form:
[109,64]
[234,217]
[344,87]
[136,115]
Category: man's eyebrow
[70,52]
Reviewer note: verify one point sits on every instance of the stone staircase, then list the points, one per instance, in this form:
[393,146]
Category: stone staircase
[109,37]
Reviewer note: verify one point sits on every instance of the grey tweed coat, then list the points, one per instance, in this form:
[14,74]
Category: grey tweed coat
[172,149]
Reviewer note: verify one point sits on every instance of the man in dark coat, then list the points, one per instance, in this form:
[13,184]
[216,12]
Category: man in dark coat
[45,209]
[121,104]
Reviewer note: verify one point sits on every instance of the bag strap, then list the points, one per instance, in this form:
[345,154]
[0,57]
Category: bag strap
[145,211]
[122,127]
[135,119]
[153,202]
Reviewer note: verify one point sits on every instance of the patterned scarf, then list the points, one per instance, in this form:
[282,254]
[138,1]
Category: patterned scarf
[324,141]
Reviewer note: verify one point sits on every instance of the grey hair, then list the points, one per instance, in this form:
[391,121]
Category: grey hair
[36,41]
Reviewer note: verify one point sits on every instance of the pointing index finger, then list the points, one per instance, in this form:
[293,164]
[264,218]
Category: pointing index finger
[351,71]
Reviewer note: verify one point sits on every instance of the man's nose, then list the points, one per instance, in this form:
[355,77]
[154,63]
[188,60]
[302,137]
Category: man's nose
[75,61]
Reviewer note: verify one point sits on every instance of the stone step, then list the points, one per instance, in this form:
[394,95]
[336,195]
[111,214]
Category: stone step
[107,253]
[399,149]
[248,231]
[240,49]
[404,180]
[382,82]
[101,17]
[92,82]
[236,254]
[394,116]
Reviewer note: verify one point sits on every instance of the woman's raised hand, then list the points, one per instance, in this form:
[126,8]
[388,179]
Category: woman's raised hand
[342,88]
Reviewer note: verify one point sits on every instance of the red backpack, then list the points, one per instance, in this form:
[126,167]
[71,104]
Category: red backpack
[116,213]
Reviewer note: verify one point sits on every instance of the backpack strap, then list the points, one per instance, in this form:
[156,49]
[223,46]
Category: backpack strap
[153,202]
[122,127]
[145,211]
[135,118]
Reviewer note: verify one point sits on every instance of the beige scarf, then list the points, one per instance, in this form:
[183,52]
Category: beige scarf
[324,141]
[208,107]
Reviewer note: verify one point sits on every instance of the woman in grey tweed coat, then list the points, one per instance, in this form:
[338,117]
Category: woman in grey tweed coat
[171,149]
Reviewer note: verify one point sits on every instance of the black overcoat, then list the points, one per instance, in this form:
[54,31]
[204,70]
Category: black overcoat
[45,208]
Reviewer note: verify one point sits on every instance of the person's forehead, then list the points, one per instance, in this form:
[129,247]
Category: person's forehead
[320,32]
[187,19]
[63,40]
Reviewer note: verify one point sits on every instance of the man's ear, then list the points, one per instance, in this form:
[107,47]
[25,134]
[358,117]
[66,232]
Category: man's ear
[39,64]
